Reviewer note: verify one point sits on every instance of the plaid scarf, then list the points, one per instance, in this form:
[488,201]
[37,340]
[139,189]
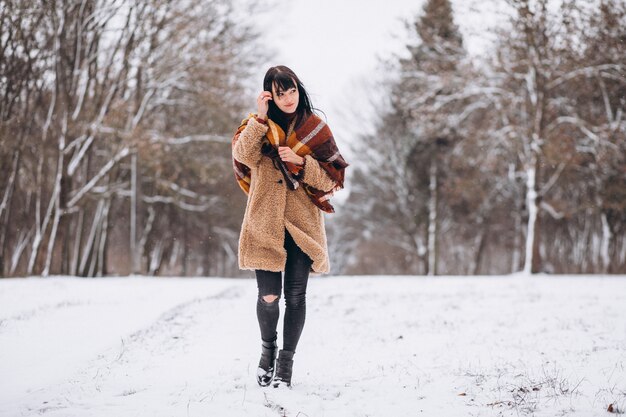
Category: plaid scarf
[314,138]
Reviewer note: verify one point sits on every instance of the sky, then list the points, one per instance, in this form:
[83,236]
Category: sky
[334,47]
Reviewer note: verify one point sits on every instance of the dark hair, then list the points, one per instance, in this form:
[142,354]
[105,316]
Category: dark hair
[284,78]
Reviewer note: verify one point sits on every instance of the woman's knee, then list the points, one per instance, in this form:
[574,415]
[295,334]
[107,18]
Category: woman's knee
[295,300]
[269,299]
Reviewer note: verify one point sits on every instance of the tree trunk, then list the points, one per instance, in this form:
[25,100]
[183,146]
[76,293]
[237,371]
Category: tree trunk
[432,219]
[141,247]
[134,265]
[480,242]
[605,245]
[87,251]
[532,260]
[5,208]
[59,183]
[185,244]
[104,229]
[517,232]
[78,236]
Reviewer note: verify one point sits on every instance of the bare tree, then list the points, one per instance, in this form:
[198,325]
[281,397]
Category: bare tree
[103,100]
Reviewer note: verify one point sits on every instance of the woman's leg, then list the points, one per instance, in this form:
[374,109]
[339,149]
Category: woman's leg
[270,286]
[296,278]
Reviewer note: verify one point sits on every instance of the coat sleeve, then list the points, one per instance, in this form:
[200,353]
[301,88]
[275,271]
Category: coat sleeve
[315,175]
[247,149]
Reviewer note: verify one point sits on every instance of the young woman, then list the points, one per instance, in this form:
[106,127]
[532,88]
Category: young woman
[287,162]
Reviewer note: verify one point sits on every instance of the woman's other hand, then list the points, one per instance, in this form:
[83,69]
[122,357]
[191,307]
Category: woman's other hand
[262,103]
[288,155]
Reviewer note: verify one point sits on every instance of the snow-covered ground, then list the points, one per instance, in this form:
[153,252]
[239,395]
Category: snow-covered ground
[372,346]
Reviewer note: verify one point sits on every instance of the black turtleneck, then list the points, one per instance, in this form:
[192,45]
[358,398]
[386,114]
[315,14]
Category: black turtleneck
[285,120]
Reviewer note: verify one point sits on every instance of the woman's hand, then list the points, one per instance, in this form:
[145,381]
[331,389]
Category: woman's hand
[288,155]
[262,104]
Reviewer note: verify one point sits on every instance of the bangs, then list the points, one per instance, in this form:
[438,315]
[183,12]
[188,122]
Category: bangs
[281,79]
[283,82]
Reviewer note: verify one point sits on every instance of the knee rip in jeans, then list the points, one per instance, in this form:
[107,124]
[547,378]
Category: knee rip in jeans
[269,299]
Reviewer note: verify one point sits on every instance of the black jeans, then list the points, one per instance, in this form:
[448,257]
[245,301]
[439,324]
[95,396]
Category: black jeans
[270,283]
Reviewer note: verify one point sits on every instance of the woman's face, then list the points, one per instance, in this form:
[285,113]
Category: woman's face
[287,101]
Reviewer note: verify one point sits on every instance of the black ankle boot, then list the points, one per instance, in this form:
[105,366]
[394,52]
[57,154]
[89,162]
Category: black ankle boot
[265,371]
[284,366]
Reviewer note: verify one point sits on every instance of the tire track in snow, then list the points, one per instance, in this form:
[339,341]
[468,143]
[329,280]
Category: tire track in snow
[35,312]
[177,319]
[100,376]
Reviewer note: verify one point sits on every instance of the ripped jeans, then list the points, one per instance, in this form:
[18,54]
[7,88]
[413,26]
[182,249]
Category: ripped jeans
[296,272]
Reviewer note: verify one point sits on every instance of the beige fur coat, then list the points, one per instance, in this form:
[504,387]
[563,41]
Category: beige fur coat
[272,207]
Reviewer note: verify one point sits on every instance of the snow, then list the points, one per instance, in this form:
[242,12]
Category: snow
[372,346]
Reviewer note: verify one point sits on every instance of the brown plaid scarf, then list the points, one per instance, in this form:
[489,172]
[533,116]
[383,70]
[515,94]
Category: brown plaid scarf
[314,138]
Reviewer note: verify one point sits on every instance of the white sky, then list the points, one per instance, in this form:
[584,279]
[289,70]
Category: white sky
[334,47]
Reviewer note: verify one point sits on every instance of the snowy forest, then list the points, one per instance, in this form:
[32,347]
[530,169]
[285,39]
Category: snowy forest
[116,120]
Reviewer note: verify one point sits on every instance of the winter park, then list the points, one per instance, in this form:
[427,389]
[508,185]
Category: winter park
[313,209]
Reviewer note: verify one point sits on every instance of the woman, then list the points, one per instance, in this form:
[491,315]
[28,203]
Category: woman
[286,160]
